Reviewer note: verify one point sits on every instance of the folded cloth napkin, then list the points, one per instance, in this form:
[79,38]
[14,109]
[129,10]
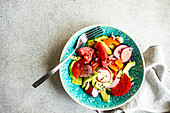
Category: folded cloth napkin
[153,95]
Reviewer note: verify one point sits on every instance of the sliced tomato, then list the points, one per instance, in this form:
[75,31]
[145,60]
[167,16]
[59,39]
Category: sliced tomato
[86,53]
[101,51]
[122,87]
[77,67]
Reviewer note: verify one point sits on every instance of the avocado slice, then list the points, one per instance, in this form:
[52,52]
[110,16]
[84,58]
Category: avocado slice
[97,39]
[104,95]
[109,51]
[77,81]
[90,43]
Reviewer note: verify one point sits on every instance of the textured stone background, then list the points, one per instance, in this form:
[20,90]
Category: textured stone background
[34,32]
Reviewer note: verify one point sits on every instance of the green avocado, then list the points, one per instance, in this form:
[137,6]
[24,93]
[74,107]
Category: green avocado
[104,95]
[109,51]
[77,81]
[100,38]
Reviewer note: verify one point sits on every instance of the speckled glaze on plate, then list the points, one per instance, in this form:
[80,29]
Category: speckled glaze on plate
[77,93]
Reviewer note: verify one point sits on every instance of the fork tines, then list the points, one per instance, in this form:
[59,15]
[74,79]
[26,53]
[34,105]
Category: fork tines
[94,32]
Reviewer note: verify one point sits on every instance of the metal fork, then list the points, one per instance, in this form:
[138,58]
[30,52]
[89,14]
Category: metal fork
[81,40]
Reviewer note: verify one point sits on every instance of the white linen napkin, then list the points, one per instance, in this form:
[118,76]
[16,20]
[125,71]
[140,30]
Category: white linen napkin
[153,95]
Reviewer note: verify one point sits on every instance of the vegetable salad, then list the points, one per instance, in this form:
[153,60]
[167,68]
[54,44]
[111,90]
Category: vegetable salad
[102,67]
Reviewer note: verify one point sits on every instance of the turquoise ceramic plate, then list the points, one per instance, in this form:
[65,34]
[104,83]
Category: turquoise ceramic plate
[77,93]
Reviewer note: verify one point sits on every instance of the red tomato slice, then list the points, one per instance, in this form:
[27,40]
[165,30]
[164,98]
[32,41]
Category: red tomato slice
[86,53]
[101,51]
[77,67]
[122,87]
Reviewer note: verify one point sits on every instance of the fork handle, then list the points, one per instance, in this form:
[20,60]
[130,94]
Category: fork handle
[46,76]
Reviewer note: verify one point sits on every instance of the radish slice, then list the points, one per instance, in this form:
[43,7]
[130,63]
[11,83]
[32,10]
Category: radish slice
[126,54]
[118,50]
[87,71]
[104,75]
[114,83]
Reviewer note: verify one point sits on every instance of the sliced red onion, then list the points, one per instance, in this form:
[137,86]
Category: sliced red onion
[114,83]
[87,71]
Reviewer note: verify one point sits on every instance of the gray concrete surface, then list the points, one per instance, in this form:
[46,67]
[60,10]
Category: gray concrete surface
[34,32]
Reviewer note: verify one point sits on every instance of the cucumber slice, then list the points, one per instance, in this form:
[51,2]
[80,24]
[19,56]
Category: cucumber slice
[128,67]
